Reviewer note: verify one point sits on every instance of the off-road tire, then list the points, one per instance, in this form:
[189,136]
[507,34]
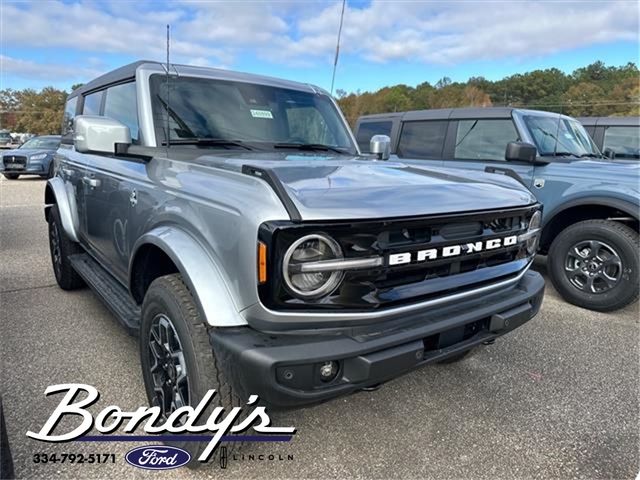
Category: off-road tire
[66,276]
[169,295]
[623,239]
[455,358]
[11,176]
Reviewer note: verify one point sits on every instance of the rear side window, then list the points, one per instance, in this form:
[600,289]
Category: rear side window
[92,104]
[120,104]
[69,115]
[624,141]
[367,130]
[483,139]
[422,139]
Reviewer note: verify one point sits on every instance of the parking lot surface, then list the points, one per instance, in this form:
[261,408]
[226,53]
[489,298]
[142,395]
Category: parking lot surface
[558,398]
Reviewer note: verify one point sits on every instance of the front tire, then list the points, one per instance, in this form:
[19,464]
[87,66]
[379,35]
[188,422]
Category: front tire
[11,176]
[178,364]
[61,248]
[594,264]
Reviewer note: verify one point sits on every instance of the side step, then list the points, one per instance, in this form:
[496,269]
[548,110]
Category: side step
[109,290]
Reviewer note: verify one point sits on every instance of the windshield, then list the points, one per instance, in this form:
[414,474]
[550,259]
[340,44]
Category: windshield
[555,135]
[42,143]
[258,115]
[5,135]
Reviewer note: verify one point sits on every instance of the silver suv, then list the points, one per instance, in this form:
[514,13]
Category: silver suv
[230,221]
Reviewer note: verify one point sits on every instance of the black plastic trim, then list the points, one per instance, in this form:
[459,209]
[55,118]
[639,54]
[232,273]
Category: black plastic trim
[274,182]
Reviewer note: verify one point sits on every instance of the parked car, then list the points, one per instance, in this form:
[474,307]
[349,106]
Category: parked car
[34,157]
[617,137]
[5,139]
[235,228]
[591,204]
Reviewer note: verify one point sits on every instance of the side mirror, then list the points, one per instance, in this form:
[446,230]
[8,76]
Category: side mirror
[521,152]
[380,145]
[609,153]
[99,134]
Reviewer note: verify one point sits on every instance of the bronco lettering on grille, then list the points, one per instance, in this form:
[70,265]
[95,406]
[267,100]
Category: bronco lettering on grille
[451,250]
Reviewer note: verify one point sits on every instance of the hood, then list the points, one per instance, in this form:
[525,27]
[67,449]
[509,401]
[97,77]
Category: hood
[26,152]
[339,187]
[607,170]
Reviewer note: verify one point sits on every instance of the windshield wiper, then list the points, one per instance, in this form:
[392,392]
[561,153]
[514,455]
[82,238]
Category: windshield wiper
[590,155]
[559,154]
[208,142]
[309,146]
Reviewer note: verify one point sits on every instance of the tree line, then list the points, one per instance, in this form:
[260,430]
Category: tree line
[594,90]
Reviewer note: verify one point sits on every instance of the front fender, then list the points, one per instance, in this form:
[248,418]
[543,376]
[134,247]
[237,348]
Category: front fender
[201,274]
[56,192]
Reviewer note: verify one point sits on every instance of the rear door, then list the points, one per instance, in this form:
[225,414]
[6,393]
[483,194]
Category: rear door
[110,188]
[481,142]
[70,166]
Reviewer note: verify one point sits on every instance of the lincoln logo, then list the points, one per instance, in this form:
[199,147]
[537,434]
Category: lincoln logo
[451,250]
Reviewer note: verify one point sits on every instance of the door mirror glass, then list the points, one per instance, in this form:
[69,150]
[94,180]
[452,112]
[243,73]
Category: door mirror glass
[521,152]
[380,145]
[99,134]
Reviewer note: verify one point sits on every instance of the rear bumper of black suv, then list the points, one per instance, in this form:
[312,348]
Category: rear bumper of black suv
[284,369]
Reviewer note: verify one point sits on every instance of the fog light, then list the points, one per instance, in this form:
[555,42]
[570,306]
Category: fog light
[328,371]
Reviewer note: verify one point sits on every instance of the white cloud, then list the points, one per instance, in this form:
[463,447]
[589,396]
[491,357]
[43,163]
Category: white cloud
[304,33]
[49,72]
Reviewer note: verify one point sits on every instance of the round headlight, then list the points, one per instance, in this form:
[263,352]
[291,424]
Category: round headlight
[311,248]
[534,224]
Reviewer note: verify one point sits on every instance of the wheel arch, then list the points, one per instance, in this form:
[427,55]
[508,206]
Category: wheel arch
[590,208]
[56,193]
[168,249]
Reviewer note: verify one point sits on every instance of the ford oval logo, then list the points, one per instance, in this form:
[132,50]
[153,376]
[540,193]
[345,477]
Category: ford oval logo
[157,457]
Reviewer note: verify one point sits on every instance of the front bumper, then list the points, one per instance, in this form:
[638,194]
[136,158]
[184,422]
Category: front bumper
[31,168]
[283,368]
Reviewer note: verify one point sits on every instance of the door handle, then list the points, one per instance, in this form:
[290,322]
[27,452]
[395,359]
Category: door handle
[92,182]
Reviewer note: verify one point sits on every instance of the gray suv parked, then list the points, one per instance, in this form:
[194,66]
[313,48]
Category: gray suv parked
[230,221]
[34,157]
[591,204]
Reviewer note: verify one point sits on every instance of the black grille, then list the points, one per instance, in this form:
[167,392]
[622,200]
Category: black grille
[393,285]
[11,160]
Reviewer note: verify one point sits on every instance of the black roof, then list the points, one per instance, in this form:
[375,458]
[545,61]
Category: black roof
[122,73]
[610,121]
[448,113]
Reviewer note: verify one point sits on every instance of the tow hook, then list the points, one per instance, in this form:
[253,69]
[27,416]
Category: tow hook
[489,342]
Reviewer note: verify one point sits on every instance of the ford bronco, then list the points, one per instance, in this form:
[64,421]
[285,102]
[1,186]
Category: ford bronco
[230,221]
[591,204]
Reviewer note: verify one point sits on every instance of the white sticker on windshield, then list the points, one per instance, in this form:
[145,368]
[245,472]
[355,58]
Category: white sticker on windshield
[261,113]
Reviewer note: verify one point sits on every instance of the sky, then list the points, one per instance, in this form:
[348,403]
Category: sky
[63,42]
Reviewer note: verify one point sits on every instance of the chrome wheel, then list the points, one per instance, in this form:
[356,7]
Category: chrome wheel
[593,266]
[168,366]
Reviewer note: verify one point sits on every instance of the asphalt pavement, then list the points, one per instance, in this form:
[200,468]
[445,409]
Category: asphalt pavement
[557,398]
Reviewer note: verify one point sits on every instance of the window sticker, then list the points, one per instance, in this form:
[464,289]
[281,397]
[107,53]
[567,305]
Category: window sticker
[261,113]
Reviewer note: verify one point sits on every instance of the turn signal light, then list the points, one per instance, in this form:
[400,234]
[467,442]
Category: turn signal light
[262,263]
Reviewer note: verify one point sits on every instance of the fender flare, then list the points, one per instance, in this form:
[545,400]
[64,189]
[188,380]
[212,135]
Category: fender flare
[623,205]
[62,198]
[199,271]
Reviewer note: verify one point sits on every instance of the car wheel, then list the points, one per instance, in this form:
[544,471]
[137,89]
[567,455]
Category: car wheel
[178,364]
[11,176]
[594,264]
[62,247]
[455,358]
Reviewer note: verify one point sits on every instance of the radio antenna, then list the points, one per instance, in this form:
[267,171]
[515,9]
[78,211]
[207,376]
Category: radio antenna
[167,107]
[335,60]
